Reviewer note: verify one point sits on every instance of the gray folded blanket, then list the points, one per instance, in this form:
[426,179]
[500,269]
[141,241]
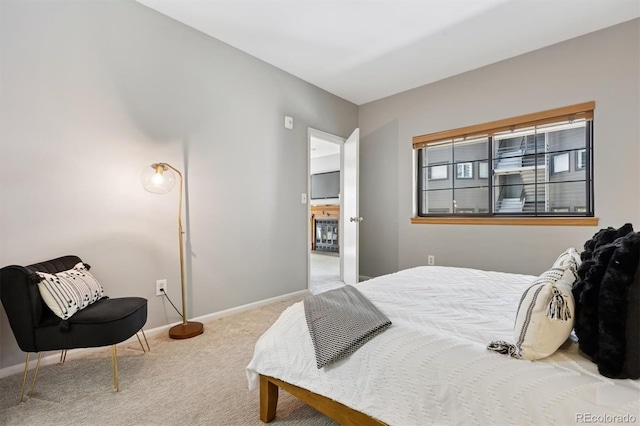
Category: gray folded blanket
[340,321]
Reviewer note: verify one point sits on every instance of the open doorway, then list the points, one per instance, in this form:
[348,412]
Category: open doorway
[325,164]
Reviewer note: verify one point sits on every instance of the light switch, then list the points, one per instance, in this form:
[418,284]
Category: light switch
[288,122]
[303,199]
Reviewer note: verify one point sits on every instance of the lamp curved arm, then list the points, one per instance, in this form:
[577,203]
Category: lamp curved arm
[179,197]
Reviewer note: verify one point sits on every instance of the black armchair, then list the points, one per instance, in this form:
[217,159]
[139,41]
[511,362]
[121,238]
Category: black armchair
[36,328]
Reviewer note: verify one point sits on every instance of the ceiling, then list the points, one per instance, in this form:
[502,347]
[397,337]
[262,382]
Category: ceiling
[322,148]
[364,50]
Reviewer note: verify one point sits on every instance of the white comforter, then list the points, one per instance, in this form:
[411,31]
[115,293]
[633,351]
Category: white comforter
[432,366]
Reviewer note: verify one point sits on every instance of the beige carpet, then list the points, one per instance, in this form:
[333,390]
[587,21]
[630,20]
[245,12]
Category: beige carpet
[199,381]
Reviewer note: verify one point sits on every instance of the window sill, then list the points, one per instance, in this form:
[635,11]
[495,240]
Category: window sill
[517,221]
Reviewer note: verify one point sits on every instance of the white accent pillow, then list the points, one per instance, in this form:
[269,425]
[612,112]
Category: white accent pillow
[569,259]
[67,292]
[545,315]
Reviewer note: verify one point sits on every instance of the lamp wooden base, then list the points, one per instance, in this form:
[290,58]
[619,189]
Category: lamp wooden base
[186,331]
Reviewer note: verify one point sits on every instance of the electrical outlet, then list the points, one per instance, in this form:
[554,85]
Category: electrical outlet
[160,286]
[431,260]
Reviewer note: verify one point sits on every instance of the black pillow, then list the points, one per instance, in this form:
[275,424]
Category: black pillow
[631,366]
[616,345]
[586,293]
[608,295]
[604,236]
[586,290]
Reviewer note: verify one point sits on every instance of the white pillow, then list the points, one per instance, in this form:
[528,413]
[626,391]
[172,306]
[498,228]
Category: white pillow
[67,292]
[545,317]
[569,259]
[546,313]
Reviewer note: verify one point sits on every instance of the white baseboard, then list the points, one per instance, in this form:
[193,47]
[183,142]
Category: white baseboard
[249,306]
[77,353]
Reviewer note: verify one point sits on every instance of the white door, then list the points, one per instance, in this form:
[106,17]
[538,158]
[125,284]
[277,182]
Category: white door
[350,213]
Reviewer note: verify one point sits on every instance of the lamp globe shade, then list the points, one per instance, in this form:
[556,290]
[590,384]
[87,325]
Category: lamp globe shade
[158,178]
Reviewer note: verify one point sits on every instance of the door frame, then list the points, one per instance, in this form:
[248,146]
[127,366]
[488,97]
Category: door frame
[327,137]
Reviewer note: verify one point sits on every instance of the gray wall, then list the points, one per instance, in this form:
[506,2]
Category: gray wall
[92,93]
[603,66]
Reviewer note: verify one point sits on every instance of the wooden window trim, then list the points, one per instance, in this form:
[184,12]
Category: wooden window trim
[577,111]
[515,221]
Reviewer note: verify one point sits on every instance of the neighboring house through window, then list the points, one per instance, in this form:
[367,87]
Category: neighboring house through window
[525,167]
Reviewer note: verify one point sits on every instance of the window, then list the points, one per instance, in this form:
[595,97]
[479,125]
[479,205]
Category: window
[483,170]
[561,162]
[523,167]
[581,157]
[464,171]
[438,172]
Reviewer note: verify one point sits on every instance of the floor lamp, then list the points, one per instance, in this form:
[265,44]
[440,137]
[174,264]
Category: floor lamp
[159,179]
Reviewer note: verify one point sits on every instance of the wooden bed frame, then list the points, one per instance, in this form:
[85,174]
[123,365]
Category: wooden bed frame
[339,412]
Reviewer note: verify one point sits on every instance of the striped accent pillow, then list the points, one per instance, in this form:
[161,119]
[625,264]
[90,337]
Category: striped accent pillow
[545,315]
[569,259]
[67,292]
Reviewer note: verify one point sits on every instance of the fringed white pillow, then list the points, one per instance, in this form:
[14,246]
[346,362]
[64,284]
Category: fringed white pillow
[67,292]
[569,259]
[545,317]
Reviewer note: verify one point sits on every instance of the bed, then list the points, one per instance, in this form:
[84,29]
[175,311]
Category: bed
[432,365]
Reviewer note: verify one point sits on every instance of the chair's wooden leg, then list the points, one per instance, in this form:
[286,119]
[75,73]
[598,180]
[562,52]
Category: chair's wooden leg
[268,399]
[24,377]
[63,356]
[114,361]
[35,375]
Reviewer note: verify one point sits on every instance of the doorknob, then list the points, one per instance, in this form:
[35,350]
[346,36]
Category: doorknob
[356,219]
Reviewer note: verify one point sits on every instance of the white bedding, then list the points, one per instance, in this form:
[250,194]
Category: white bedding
[432,366]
